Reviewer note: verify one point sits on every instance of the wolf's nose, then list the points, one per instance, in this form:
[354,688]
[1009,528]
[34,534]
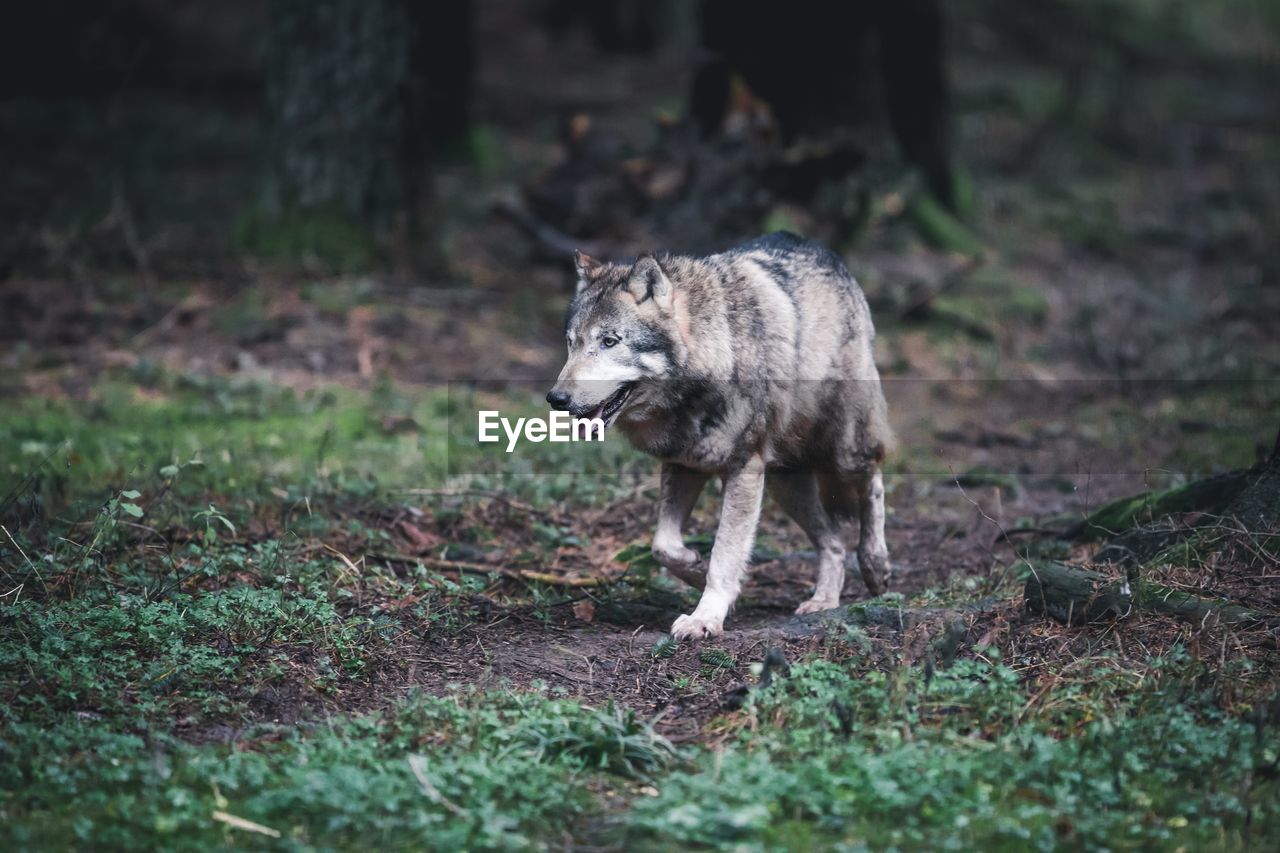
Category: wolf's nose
[558,399]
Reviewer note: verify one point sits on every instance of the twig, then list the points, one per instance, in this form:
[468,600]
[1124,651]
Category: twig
[999,527]
[1007,535]
[482,569]
[418,764]
[247,825]
[18,487]
[30,564]
[122,214]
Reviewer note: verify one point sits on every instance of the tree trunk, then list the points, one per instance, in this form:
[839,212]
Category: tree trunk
[618,26]
[360,92]
[813,64]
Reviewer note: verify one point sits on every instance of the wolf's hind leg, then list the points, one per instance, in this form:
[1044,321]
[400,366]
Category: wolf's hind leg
[739,515]
[681,487]
[797,493]
[873,552]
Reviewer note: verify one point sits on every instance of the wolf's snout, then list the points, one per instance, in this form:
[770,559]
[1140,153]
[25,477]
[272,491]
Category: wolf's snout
[559,399]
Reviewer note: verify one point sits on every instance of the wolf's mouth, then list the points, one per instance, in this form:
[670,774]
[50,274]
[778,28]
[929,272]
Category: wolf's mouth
[613,404]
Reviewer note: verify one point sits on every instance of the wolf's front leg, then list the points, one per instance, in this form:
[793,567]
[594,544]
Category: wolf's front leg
[743,490]
[680,489]
[873,553]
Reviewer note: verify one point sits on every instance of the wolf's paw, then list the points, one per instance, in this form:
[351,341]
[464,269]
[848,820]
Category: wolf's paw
[696,628]
[817,605]
[676,557]
[875,571]
[683,563]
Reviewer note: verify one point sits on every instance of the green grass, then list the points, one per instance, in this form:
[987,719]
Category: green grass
[833,756]
[192,436]
[223,435]
[467,771]
[897,760]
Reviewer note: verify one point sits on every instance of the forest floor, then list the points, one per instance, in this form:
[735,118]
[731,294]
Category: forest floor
[255,594]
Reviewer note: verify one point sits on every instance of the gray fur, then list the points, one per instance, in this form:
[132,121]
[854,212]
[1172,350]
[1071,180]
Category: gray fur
[752,363]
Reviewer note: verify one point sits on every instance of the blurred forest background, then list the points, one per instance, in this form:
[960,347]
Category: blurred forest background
[206,183]
[251,593]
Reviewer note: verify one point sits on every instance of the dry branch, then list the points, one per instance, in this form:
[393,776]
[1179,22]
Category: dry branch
[482,569]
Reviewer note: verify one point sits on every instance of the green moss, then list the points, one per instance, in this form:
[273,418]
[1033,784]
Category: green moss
[967,201]
[781,218]
[321,238]
[1209,495]
[995,294]
[937,227]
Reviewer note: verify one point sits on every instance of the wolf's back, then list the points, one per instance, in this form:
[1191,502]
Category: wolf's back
[801,298]
[835,321]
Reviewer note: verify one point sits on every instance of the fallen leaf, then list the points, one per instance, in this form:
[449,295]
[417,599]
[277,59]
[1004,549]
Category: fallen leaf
[420,541]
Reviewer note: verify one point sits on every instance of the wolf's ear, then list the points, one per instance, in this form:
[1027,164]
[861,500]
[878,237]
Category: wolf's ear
[588,268]
[648,281]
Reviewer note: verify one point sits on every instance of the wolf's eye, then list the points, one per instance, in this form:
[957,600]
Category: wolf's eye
[609,341]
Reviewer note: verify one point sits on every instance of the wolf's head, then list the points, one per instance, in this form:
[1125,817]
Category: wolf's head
[623,337]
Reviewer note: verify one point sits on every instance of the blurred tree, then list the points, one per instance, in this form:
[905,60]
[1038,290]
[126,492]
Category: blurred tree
[811,61]
[617,26]
[81,48]
[360,94]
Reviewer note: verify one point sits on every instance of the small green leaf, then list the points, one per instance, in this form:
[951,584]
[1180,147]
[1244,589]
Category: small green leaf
[664,648]
[718,658]
[131,494]
[132,509]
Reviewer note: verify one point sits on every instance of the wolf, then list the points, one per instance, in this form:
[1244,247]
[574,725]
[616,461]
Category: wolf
[753,365]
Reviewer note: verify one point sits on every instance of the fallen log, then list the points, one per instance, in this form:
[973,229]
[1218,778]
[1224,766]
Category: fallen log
[1076,596]
[1211,495]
